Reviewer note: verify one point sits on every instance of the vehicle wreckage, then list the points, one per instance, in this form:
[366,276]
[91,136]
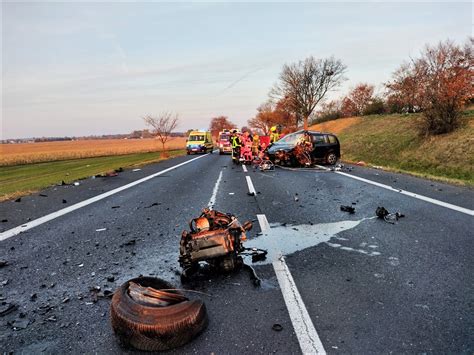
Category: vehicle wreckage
[216,238]
[305,148]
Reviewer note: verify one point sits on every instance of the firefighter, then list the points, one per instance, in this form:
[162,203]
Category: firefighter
[274,135]
[255,144]
[236,144]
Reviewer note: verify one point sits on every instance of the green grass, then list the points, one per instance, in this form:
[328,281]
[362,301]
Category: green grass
[392,141]
[23,179]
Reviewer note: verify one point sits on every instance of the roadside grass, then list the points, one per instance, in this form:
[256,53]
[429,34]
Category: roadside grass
[20,180]
[27,153]
[393,142]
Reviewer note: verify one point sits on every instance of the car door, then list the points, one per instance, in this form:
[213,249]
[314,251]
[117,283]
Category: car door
[320,145]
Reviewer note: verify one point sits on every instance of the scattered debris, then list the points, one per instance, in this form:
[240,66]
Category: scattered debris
[101,229]
[215,238]
[296,198]
[76,183]
[43,195]
[135,170]
[33,297]
[277,327]
[114,207]
[20,324]
[110,278]
[3,263]
[266,165]
[140,315]
[64,201]
[119,170]
[382,213]
[361,163]
[153,204]
[18,199]
[7,308]
[129,243]
[251,193]
[349,209]
[4,220]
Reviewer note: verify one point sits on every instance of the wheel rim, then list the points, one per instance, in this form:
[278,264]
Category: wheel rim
[332,158]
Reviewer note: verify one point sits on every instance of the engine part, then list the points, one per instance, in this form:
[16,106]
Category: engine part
[219,243]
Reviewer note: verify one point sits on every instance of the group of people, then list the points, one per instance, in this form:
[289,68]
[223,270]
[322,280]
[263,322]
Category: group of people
[248,147]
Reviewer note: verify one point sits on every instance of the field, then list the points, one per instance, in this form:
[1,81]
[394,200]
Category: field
[393,142]
[27,153]
[19,180]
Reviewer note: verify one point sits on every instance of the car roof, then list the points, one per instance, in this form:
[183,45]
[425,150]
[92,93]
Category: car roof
[311,132]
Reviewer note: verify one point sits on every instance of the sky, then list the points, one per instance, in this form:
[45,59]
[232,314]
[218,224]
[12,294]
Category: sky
[86,68]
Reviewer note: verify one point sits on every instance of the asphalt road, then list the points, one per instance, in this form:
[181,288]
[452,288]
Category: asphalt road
[367,286]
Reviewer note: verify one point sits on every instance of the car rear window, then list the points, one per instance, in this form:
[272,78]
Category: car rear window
[318,139]
[332,139]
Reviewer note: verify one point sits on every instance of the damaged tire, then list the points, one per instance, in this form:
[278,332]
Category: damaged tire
[155,328]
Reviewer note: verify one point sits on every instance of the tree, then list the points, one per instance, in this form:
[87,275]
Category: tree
[361,96]
[268,115]
[304,84]
[220,123]
[329,111]
[441,84]
[403,95]
[162,125]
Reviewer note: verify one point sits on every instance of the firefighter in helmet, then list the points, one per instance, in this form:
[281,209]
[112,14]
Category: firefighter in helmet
[274,135]
[236,144]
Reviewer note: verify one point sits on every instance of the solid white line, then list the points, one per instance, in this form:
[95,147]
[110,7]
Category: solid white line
[411,194]
[306,333]
[250,184]
[212,201]
[245,168]
[24,227]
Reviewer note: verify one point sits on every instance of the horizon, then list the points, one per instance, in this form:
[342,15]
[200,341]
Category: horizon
[105,65]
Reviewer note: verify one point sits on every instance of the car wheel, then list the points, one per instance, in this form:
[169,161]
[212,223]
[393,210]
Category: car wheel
[331,158]
[150,327]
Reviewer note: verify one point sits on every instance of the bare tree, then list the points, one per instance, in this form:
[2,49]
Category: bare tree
[162,125]
[304,84]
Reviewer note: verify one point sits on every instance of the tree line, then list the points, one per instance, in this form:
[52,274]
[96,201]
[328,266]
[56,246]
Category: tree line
[439,84]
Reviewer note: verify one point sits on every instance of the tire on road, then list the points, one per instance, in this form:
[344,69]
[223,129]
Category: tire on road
[153,328]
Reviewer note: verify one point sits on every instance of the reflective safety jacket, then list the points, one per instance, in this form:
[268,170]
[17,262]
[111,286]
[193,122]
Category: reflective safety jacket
[274,136]
[235,140]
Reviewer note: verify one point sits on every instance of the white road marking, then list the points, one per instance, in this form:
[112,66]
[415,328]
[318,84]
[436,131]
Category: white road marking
[306,333]
[24,227]
[407,193]
[250,184]
[411,194]
[212,201]
[245,168]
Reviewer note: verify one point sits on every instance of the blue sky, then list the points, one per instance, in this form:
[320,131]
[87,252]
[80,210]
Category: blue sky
[96,68]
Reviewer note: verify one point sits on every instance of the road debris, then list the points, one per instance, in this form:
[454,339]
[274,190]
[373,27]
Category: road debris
[7,308]
[101,229]
[135,170]
[153,204]
[382,213]
[217,239]
[349,209]
[3,263]
[277,327]
[266,165]
[18,199]
[76,183]
[150,314]
[361,163]
[18,324]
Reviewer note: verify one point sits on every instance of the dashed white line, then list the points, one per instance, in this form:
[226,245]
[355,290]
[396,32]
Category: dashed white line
[306,333]
[24,227]
[250,185]
[244,167]
[212,201]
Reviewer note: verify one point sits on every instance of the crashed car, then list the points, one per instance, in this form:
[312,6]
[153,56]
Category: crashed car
[323,148]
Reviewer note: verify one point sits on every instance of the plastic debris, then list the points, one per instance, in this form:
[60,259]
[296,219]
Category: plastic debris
[135,170]
[349,209]
[101,229]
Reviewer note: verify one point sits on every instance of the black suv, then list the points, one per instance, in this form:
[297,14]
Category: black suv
[326,148]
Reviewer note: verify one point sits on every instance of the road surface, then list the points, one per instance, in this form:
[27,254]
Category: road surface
[348,283]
